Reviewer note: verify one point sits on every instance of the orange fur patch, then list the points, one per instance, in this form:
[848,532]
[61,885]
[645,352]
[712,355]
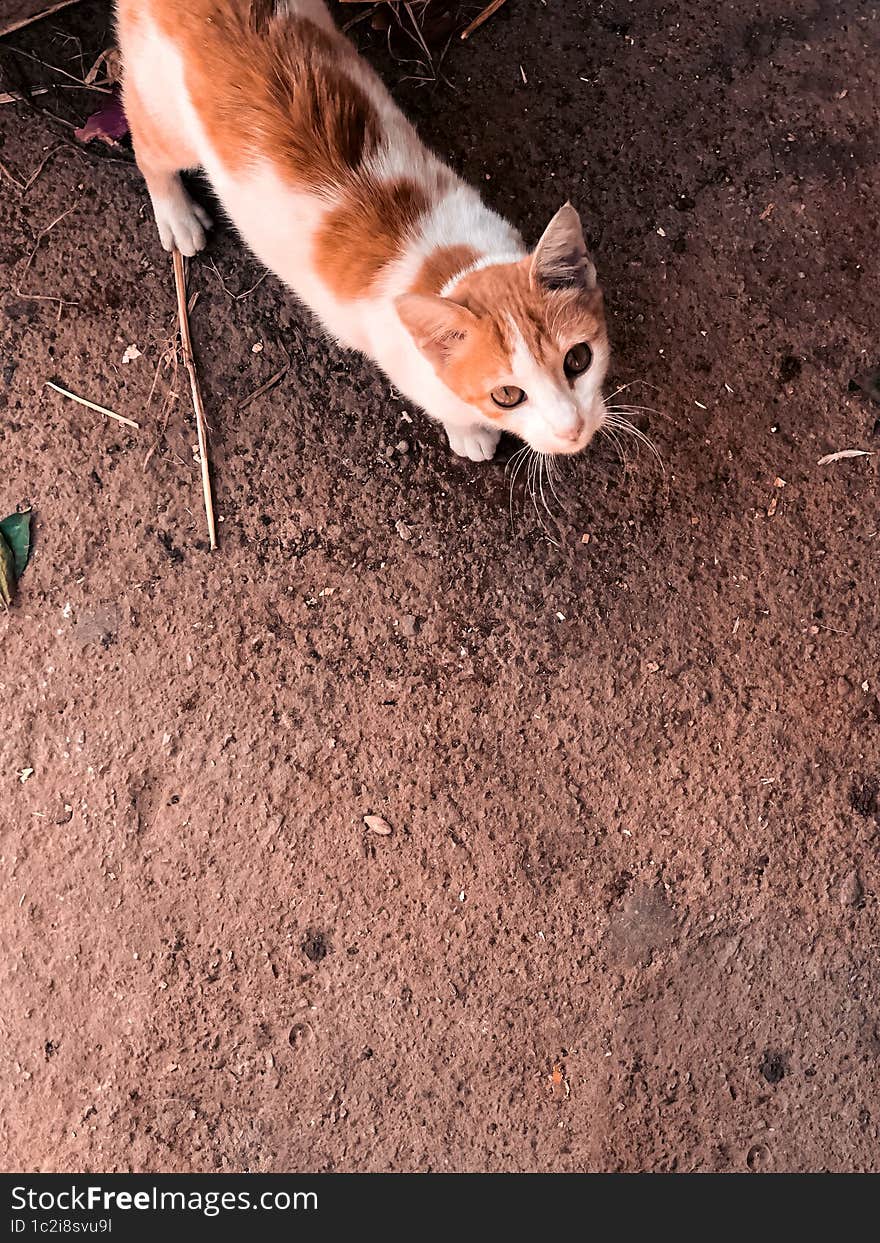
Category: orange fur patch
[440,266]
[367,232]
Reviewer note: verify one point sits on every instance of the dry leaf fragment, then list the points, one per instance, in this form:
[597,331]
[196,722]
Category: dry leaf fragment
[111,61]
[771,508]
[378,825]
[131,353]
[767,212]
[841,454]
[109,123]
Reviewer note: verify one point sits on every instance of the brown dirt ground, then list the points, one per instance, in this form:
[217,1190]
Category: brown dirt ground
[628,916]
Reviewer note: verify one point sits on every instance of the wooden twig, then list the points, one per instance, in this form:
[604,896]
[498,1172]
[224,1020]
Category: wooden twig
[264,388]
[84,401]
[24,186]
[237,297]
[487,12]
[80,82]
[42,297]
[198,405]
[23,12]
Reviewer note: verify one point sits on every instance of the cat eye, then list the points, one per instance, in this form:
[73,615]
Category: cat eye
[508,396]
[577,359]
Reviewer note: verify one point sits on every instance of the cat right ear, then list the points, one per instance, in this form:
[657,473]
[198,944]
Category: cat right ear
[438,327]
[560,260]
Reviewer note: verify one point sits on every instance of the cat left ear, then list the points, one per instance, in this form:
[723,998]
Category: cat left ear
[438,327]
[560,260]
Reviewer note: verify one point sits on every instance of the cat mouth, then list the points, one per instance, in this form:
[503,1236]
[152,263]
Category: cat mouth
[563,445]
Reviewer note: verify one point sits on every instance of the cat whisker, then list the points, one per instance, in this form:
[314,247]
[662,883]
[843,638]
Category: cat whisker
[612,438]
[622,425]
[623,387]
[636,409]
[519,458]
[539,473]
[552,478]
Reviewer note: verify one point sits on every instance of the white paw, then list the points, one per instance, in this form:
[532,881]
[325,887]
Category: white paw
[182,223]
[477,443]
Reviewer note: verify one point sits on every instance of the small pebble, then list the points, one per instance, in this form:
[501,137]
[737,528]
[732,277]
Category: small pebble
[409,625]
[851,891]
[402,529]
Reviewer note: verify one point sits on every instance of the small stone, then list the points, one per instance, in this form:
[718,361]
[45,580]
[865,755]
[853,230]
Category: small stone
[851,891]
[409,626]
[402,529]
[378,825]
[402,446]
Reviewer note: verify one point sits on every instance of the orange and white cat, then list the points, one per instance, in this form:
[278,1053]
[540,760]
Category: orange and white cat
[331,188]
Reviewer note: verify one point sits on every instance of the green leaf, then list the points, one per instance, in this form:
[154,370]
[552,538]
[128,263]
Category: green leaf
[7,572]
[17,530]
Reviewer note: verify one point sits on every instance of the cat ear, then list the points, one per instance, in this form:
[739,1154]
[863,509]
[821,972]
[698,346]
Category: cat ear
[437,325]
[560,260]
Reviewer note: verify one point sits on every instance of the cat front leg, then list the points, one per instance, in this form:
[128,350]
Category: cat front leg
[473,441]
[160,157]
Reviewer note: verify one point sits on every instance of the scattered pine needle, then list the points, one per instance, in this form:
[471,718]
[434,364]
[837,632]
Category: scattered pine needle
[843,453]
[264,388]
[488,12]
[237,297]
[198,405]
[24,186]
[39,297]
[84,401]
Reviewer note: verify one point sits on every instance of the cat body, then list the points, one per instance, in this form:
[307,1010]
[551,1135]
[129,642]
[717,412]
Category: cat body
[330,186]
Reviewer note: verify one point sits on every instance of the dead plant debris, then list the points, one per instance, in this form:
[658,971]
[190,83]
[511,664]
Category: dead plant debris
[378,825]
[842,454]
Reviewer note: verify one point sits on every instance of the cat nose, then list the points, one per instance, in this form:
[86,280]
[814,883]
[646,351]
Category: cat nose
[572,432]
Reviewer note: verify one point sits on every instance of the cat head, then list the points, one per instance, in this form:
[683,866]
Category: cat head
[523,343]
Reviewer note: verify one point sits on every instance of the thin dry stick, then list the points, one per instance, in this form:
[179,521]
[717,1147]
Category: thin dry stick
[42,297]
[237,297]
[24,186]
[186,350]
[84,401]
[483,17]
[80,82]
[8,24]
[264,388]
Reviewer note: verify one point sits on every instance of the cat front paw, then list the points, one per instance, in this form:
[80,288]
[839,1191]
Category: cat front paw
[477,443]
[182,223]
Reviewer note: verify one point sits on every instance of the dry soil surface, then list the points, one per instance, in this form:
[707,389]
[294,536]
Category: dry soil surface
[627,917]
